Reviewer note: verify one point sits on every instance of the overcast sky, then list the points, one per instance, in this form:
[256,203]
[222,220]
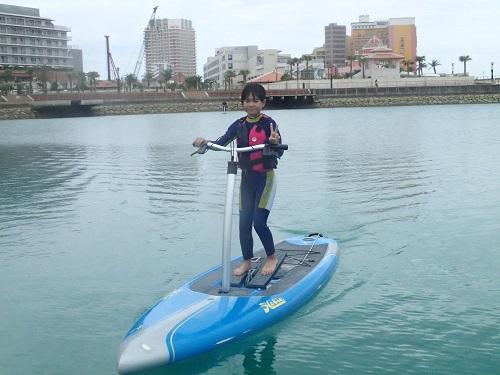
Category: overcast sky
[445,29]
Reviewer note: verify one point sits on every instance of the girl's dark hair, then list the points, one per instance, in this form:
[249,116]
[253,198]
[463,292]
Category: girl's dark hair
[253,90]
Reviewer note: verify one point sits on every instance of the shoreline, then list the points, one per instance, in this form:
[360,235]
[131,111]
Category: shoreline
[15,112]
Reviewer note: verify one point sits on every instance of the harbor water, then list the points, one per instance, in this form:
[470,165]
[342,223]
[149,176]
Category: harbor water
[102,216]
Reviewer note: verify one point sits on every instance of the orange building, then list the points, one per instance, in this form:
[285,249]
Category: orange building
[399,34]
[402,37]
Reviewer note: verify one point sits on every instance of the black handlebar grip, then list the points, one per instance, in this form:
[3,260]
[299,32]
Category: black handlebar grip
[279,147]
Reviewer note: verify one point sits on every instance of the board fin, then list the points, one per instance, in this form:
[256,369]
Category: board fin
[260,281]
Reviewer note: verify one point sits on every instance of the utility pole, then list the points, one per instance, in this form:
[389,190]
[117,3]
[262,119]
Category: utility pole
[107,57]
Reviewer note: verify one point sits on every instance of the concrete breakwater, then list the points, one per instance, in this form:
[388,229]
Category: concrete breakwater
[25,112]
[381,101]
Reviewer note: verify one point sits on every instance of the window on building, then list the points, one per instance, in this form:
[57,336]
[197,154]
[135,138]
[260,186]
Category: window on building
[229,57]
[230,65]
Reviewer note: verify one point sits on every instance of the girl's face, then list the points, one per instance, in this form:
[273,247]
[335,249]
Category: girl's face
[253,106]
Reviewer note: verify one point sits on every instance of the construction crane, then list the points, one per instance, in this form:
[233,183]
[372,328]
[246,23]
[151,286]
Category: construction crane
[111,64]
[140,59]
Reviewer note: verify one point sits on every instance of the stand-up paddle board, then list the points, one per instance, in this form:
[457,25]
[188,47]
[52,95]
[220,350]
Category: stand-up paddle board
[216,308]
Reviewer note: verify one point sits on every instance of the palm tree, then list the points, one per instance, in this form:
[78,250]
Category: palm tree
[434,64]
[291,63]
[296,62]
[362,59]
[408,64]
[165,75]
[130,79]
[92,76]
[193,82]
[464,59]
[420,64]
[70,76]
[42,76]
[7,76]
[228,79]
[307,58]
[148,77]
[244,73]
[81,81]
[351,60]
[30,72]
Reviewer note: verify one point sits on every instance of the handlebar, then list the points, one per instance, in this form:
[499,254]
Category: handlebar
[213,146]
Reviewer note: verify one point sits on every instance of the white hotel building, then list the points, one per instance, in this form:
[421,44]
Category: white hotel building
[28,40]
[238,58]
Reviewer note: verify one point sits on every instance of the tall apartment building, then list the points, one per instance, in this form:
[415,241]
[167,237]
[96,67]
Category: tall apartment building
[335,45]
[28,40]
[170,44]
[398,34]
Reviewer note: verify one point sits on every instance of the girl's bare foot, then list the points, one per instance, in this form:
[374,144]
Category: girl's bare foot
[269,265]
[242,268]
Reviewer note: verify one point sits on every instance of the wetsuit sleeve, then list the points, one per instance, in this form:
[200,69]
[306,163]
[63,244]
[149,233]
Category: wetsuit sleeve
[230,134]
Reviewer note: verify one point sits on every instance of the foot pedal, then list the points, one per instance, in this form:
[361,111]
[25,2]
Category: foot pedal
[237,281]
[260,281]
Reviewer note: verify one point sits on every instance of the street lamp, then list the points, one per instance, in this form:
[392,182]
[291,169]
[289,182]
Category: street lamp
[452,69]
[492,63]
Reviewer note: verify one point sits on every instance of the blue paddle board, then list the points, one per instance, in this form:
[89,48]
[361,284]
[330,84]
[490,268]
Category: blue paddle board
[197,317]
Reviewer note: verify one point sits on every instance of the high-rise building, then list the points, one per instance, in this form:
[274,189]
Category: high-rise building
[29,41]
[170,44]
[335,45]
[402,37]
[399,34]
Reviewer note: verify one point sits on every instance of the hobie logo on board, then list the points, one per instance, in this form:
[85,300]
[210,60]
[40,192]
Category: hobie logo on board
[272,304]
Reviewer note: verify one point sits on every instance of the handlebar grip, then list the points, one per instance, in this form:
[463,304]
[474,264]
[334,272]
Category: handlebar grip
[279,147]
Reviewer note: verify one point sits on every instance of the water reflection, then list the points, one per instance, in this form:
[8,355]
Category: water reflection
[259,359]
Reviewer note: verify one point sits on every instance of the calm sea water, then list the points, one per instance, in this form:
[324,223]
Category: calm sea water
[100,217]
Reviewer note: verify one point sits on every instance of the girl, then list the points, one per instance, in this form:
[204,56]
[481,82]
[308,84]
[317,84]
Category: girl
[258,183]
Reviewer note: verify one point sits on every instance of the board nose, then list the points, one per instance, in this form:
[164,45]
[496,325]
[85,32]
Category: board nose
[138,354]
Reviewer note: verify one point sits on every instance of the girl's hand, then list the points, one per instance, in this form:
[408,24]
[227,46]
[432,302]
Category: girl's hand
[274,138]
[199,141]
